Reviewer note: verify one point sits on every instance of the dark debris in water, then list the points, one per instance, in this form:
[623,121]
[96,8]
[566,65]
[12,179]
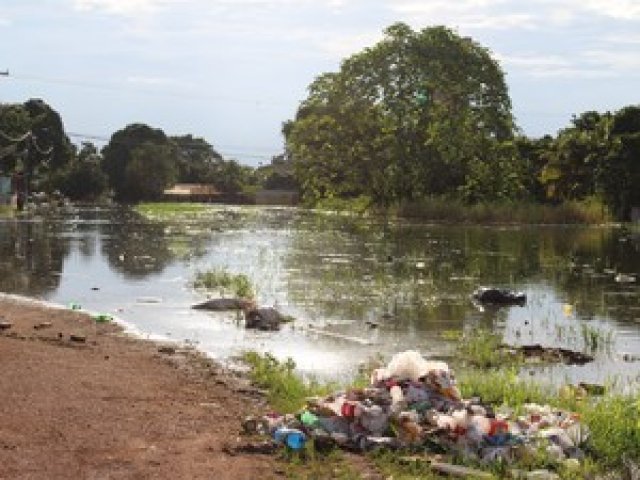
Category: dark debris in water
[550,354]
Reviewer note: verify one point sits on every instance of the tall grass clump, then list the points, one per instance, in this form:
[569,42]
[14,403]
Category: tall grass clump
[595,339]
[614,423]
[238,285]
[287,390]
[483,349]
[440,209]
[502,387]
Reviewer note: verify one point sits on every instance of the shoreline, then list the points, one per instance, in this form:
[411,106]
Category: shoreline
[87,399]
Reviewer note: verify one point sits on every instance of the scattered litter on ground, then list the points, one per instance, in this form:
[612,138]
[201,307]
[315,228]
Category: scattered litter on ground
[413,404]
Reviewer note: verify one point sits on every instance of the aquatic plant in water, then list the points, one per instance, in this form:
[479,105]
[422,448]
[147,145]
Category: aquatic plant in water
[238,285]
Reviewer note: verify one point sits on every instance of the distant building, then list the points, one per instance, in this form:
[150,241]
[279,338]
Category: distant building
[192,192]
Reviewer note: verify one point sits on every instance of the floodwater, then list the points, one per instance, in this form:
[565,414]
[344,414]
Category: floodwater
[357,287]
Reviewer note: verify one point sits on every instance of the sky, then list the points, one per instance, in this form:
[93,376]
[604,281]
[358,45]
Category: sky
[232,71]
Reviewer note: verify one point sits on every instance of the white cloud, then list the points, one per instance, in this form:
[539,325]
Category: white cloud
[561,16]
[618,61]
[120,7]
[503,14]
[340,46]
[143,7]
[619,9]
[546,66]
[629,39]
[468,14]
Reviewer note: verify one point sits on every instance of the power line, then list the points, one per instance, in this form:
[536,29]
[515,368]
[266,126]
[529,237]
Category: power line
[230,150]
[119,87]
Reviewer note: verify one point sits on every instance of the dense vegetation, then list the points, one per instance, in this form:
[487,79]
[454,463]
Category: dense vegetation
[419,118]
[427,114]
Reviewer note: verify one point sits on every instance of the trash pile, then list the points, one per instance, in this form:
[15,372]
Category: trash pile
[414,402]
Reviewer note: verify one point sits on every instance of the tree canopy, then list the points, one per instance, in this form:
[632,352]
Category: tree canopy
[33,139]
[419,113]
[129,156]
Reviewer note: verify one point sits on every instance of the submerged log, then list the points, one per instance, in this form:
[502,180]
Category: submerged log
[222,304]
[552,354]
[499,296]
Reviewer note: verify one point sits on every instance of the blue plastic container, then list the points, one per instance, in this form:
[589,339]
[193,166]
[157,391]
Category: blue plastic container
[291,437]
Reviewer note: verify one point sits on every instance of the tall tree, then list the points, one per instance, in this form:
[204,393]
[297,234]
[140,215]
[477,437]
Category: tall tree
[197,159]
[151,169]
[33,139]
[620,174]
[574,160]
[118,154]
[403,119]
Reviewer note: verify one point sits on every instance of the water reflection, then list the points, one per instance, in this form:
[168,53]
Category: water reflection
[32,258]
[357,286]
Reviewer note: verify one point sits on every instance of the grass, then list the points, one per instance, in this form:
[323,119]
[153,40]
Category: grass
[170,210]
[613,420]
[287,390]
[590,211]
[313,465]
[357,206]
[238,285]
[483,348]
[595,339]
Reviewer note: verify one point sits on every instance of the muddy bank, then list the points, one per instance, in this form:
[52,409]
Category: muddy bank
[80,399]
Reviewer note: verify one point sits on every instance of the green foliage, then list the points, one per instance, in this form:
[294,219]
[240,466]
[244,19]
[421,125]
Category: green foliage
[287,391]
[14,123]
[403,119]
[313,465]
[614,422]
[48,131]
[482,348]
[44,148]
[359,205]
[393,466]
[149,172]
[595,339]
[238,285]
[170,210]
[82,180]
[129,160]
[502,386]
[196,159]
[446,210]
[619,173]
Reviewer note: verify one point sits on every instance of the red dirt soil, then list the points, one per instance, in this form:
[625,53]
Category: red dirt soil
[103,405]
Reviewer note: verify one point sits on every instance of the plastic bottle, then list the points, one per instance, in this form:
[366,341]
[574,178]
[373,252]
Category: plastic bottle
[291,437]
[308,419]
